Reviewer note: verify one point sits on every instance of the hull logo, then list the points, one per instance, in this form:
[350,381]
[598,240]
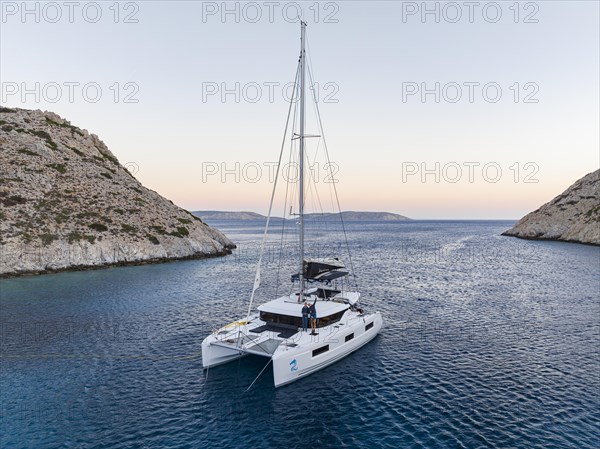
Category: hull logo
[293,365]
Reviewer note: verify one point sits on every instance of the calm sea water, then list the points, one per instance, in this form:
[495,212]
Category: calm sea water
[488,341]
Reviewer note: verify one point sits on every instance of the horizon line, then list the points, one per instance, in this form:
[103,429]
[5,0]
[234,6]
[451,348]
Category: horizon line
[383,212]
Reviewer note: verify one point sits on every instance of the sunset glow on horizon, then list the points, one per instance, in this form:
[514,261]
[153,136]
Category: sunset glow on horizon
[481,119]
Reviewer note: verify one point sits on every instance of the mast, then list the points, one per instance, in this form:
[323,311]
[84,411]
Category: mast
[301,196]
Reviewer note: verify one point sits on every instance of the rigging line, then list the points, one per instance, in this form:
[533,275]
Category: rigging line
[294,182]
[310,186]
[270,360]
[206,377]
[313,192]
[319,220]
[285,203]
[312,84]
[289,199]
[292,231]
[238,367]
[332,184]
[322,132]
[309,64]
[262,246]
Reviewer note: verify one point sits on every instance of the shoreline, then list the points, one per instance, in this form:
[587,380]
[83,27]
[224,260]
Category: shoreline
[154,261]
[550,239]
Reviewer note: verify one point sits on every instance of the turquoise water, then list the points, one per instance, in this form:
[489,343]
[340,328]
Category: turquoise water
[488,341]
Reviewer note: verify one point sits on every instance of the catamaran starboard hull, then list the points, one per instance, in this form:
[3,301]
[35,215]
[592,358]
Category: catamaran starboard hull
[290,365]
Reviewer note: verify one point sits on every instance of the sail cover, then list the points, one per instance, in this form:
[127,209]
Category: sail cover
[326,269]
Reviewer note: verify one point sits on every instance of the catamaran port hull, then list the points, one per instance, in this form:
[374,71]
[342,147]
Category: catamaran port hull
[215,355]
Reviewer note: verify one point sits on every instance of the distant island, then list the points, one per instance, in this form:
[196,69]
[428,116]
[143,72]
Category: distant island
[68,204]
[363,216]
[573,216]
[215,215]
[212,215]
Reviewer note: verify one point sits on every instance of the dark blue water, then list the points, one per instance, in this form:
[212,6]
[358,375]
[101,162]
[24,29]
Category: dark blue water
[488,341]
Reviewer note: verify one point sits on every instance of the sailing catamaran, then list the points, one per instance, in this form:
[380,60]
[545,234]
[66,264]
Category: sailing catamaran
[276,329]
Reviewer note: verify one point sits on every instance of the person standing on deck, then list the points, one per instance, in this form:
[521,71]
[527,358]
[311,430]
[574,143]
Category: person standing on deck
[313,317]
[305,312]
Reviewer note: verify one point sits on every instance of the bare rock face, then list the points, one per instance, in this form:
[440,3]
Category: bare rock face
[67,203]
[573,216]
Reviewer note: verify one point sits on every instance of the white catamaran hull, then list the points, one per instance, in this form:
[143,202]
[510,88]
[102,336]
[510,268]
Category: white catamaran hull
[290,364]
[297,356]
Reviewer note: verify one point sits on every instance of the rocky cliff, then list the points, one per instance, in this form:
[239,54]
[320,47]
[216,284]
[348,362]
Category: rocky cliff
[573,216]
[67,203]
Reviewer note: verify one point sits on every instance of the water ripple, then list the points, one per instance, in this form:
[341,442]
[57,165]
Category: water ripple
[488,342]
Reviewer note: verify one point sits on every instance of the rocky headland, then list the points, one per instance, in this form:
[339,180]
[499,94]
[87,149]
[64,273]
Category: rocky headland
[67,203]
[573,216]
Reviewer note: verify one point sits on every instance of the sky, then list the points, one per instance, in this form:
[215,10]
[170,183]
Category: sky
[434,110]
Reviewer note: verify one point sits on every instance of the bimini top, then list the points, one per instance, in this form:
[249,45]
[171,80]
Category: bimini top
[289,305]
[324,269]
